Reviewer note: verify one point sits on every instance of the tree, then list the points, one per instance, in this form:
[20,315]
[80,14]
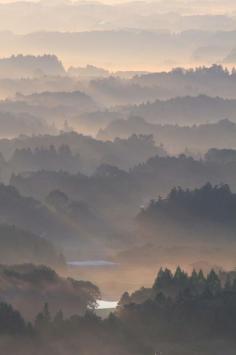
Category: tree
[43,319]
[213,283]
[163,280]
[125,299]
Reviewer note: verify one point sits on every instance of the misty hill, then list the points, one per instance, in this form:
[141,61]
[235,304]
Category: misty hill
[71,223]
[156,176]
[91,122]
[87,151]
[115,90]
[212,81]
[27,287]
[14,124]
[222,156]
[118,194]
[185,110]
[197,138]
[46,108]
[201,215]
[26,86]
[20,246]
[22,66]
[32,215]
[94,230]
[77,100]
[88,72]
[44,159]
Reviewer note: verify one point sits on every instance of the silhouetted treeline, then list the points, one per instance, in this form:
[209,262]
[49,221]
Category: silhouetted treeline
[183,314]
[178,284]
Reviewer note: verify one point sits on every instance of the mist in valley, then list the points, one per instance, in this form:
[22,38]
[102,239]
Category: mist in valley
[117,177]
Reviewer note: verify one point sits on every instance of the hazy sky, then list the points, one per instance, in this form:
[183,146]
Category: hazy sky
[213,5]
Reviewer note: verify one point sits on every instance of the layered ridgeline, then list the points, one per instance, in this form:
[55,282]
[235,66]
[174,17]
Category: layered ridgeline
[111,186]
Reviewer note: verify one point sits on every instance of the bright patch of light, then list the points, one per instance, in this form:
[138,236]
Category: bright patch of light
[106,304]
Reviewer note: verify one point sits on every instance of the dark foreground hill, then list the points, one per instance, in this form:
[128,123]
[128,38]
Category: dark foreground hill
[180,314]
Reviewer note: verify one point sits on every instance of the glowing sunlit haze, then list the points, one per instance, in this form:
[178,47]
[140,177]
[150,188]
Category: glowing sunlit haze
[120,35]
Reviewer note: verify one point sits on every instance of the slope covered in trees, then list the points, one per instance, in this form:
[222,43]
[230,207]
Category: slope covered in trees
[203,214]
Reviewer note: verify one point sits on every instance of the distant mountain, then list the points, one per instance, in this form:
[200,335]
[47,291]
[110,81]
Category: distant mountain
[76,100]
[141,48]
[65,16]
